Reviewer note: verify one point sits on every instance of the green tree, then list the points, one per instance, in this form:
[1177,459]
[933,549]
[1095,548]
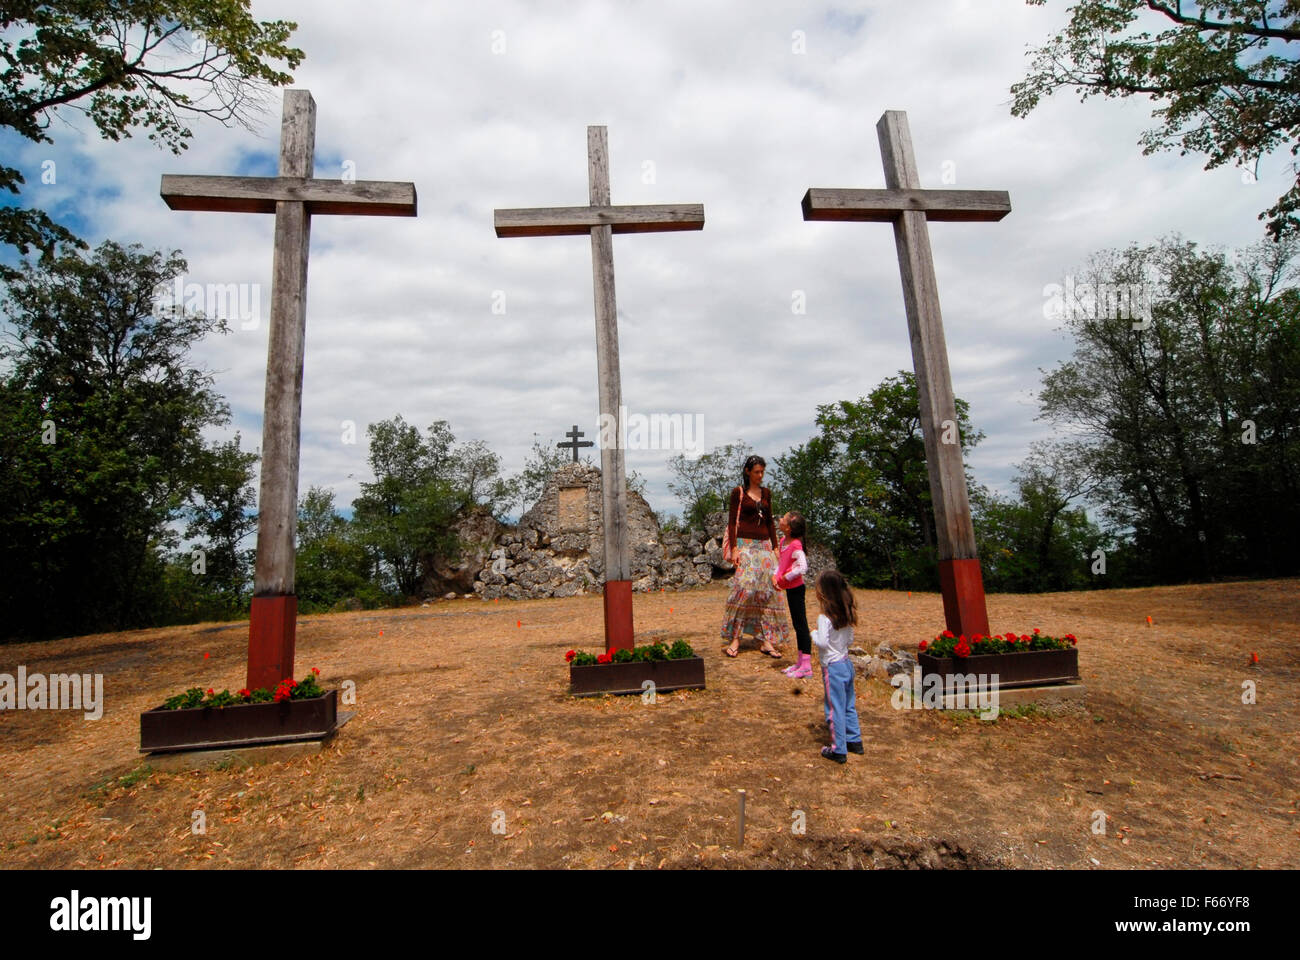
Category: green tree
[422,483]
[476,471]
[1225,76]
[101,435]
[861,483]
[703,484]
[222,514]
[1036,541]
[129,65]
[331,564]
[407,510]
[1188,419]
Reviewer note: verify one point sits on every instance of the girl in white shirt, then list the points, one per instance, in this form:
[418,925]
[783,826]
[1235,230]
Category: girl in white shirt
[833,638]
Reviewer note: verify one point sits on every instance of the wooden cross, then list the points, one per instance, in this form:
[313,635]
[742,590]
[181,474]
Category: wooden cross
[602,220]
[294,197]
[908,208]
[574,443]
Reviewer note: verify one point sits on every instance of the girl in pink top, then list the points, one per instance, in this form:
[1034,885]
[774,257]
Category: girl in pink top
[791,567]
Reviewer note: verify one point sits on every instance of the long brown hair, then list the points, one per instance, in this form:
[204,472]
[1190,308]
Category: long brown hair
[836,599]
[752,461]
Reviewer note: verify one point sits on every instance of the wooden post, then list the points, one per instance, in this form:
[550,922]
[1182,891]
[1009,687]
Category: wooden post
[909,208]
[294,197]
[602,221]
[619,630]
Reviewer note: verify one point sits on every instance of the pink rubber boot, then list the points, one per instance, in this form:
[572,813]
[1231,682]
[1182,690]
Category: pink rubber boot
[801,669]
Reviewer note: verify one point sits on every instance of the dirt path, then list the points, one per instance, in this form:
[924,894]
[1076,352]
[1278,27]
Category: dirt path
[463,714]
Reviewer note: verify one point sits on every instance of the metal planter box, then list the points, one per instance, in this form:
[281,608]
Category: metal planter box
[239,725]
[1034,668]
[598,678]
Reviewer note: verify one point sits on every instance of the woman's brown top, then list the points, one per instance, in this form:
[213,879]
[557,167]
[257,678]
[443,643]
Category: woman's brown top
[750,520]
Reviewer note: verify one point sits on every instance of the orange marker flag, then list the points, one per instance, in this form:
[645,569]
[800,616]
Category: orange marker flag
[1148,621]
[519,623]
[1254,657]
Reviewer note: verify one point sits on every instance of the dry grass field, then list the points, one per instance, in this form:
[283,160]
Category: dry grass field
[463,712]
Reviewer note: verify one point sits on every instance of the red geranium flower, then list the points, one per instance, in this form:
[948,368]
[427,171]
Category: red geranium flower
[568,657]
[315,671]
[209,691]
[962,649]
[924,644]
[948,634]
[1026,637]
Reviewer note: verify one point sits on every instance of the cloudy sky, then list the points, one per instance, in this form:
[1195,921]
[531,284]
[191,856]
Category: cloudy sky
[485,105]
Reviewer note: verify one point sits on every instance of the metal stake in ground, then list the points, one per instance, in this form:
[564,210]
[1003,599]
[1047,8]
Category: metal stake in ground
[908,208]
[741,841]
[601,220]
[294,197]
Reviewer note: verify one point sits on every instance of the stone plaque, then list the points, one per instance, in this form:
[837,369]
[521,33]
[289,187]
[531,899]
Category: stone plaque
[573,509]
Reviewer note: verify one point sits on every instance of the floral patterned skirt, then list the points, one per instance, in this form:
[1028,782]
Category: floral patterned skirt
[755,606]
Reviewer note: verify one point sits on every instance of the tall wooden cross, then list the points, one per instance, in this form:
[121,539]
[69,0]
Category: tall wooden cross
[602,220]
[909,208]
[574,443]
[294,197]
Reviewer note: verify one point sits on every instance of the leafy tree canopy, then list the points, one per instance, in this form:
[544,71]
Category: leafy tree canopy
[1225,76]
[129,65]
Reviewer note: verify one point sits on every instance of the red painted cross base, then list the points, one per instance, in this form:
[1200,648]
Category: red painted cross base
[963,597]
[272,622]
[618,615]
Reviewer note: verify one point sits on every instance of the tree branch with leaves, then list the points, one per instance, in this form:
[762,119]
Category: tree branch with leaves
[130,65]
[1225,77]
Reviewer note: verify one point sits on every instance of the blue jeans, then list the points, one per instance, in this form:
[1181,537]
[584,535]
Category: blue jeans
[841,705]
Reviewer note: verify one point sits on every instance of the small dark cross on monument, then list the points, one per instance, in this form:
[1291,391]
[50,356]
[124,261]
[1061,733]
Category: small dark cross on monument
[574,443]
[294,197]
[908,208]
[601,221]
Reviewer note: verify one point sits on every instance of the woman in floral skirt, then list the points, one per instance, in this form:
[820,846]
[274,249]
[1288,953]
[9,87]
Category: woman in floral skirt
[754,605]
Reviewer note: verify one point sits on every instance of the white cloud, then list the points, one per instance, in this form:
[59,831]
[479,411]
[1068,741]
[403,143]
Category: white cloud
[399,312]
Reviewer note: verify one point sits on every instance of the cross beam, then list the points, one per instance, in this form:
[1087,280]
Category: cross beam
[294,197]
[884,206]
[359,198]
[576,221]
[909,208]
[602,220]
